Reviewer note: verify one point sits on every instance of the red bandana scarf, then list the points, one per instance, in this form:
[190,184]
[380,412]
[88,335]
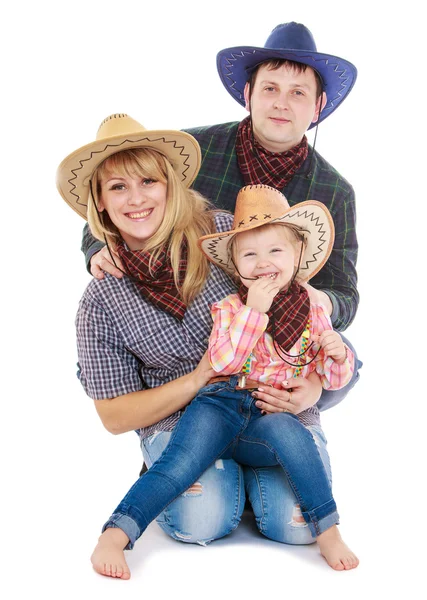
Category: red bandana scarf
[288,314]
[158,285]
[258,165]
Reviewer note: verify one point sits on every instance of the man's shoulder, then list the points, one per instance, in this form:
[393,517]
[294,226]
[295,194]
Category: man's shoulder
[219,135]
[219,128]
[325,172]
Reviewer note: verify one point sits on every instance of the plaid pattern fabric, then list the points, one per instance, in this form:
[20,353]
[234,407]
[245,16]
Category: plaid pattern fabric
[220,180]
[258,165]
[156,284]
[288,314]
[239,331]
[125,344]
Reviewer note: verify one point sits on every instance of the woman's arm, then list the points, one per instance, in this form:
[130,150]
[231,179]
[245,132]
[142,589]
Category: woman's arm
[147,407]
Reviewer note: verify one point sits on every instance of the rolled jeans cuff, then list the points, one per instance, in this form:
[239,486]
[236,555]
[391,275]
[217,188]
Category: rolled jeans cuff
[126,524]
[322,518]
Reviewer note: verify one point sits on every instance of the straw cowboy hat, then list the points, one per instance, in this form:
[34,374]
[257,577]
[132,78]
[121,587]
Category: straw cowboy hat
[290,41]
[116,133]
[258,205]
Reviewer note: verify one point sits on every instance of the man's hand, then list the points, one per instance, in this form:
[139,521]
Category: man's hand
[101,261]
[261,294]
[297,395]
[332,345]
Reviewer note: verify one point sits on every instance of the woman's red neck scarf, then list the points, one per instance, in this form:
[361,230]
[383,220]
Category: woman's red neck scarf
[288,314]
[156,284]
[259,165]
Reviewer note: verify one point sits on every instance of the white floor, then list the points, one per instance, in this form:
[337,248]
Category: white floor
[65,492]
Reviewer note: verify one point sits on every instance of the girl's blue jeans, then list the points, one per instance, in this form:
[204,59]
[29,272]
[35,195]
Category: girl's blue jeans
[220,431]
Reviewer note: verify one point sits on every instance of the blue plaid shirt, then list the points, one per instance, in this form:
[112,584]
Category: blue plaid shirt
[220,180]
[126,344]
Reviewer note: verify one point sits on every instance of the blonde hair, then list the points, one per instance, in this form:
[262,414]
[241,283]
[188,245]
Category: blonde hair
[295,235]
[187,215]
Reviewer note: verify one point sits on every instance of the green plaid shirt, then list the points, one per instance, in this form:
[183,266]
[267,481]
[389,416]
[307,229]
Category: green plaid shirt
[220,180]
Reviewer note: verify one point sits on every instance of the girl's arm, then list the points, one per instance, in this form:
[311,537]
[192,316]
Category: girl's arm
[335,361]
[235,332]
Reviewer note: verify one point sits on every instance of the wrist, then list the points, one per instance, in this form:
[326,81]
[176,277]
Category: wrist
[258,308]
[341,359]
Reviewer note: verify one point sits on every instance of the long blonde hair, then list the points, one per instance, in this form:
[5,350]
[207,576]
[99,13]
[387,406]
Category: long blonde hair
[187,216]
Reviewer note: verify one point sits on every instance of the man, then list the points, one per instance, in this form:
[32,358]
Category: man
[287,87]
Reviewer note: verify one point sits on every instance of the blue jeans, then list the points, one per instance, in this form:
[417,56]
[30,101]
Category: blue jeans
[224,423]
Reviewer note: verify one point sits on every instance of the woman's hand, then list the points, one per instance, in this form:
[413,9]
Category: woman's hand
[298,394]
[202,373]
[101,261]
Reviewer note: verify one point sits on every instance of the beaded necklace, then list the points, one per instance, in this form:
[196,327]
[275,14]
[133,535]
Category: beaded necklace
[246,369]
[304,344]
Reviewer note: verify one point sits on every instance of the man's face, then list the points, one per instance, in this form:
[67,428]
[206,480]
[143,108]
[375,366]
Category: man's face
[283,105]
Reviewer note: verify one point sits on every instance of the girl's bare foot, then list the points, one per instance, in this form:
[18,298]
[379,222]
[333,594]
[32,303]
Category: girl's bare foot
[337,554]
[108,557]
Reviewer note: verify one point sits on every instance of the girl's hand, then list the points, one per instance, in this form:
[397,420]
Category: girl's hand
[261,294]
[332,345]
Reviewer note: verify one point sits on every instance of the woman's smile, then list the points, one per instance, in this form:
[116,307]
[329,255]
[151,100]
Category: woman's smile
[136,205]
[139,216]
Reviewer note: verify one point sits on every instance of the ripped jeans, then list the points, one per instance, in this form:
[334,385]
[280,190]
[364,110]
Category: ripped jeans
[219,431]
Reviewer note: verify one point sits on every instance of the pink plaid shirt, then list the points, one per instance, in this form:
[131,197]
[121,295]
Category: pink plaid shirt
[239,331]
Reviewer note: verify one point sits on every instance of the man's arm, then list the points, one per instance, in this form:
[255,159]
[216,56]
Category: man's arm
[98,258]
[90,245]
[338,278]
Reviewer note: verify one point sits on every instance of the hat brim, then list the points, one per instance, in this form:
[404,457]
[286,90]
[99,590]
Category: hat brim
[76,170]
[236,64]
[310,214]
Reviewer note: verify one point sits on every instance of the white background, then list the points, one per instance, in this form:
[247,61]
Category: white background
[65,67]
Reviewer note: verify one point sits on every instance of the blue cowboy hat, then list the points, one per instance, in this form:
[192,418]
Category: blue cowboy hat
[290,41]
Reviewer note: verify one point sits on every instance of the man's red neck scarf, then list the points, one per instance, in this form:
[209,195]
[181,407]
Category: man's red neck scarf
[259,165]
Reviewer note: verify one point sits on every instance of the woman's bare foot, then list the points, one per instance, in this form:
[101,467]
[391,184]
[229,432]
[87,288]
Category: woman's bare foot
[337,554]
[108,557]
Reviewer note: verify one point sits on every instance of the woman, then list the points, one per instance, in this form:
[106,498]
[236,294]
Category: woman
[142,338]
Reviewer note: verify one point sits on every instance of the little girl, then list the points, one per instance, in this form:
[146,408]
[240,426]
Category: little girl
[267,333]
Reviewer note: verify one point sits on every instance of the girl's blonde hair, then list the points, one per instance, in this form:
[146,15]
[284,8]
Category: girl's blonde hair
[187,216]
